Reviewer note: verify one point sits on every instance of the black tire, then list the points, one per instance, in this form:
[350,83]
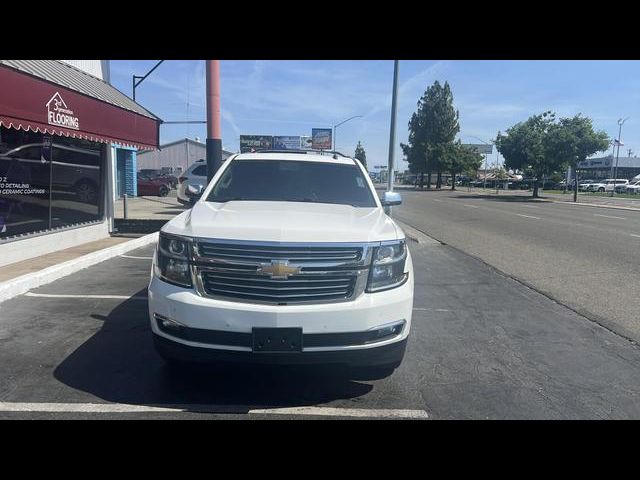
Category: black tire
[163,192]
[601,190]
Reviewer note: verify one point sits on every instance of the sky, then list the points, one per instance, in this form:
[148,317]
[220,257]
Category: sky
[273,97]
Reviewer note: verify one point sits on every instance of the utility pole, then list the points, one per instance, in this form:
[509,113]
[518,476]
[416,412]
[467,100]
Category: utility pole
[392,133]
[214,131]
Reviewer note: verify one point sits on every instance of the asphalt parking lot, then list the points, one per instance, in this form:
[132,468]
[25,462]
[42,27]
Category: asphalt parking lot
[482,346]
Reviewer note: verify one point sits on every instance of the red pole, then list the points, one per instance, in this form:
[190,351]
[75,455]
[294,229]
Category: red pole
[214,130]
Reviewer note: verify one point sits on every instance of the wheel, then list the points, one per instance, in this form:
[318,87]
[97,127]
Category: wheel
[163,192]
[86,191]
[601,190]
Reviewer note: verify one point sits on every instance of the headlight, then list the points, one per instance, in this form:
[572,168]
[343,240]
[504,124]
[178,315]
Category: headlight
[172,262]
[387,266]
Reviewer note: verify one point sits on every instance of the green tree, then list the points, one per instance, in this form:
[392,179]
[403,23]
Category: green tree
[572,140]
[526,146]
[432,130]
[461,158]
[361,154]
[442,121]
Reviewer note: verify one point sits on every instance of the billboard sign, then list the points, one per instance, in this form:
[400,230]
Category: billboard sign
[321,138]
[481,148]
[286,143]
[255,142]
[305,143]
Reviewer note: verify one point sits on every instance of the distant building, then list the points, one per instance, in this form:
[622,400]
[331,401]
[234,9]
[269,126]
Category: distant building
[601,167]
[175,156]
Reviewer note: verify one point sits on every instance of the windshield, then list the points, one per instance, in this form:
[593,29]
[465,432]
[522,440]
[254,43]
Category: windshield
[293,181]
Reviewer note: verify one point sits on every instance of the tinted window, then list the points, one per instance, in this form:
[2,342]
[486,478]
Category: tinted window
[293,181]
[200,171]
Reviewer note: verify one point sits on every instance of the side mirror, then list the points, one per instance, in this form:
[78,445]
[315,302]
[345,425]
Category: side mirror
[391,198]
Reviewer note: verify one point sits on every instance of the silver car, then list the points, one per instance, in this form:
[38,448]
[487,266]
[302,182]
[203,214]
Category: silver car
[195,175]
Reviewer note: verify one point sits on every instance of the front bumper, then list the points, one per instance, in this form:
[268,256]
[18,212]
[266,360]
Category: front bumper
[391,354]
[221,326]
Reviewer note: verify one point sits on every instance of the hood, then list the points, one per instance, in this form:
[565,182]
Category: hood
[284,222]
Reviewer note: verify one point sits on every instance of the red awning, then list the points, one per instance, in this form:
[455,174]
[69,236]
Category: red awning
[29,103]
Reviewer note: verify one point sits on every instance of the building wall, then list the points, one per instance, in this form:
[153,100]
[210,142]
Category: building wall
[181,154]
[97,68]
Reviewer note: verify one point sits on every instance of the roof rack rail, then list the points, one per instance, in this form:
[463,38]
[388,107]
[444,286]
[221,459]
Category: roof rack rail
[315,152]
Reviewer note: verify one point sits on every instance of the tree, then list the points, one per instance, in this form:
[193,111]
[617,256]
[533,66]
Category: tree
[572,140]
[461,158]
[526,146]
[432,130]
[361,154]
[442,122]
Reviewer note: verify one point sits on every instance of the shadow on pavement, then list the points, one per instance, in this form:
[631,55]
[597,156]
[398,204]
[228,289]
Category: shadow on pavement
[502,198]
[119,364]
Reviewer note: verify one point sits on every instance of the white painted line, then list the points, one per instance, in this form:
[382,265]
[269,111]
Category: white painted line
[527,216]
[436,200]
[127,408]
[470,206]
[634,235]
[136,258]
[98,297]
[608,216]
[81,408]
[429,309]
[343,412]
[19,285]
[531,206]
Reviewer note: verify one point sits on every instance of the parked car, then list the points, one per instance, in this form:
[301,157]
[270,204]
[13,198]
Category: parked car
[157,186]
[195,175]
[584,185]
[633,188]
[287,258]
[607,185]
[168,178]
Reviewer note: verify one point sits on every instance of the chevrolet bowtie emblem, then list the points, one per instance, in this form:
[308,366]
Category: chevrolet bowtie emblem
[278,269]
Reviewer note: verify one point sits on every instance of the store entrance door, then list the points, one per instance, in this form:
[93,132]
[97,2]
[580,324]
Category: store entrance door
[121,172]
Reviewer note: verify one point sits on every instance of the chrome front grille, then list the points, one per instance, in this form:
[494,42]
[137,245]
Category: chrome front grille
[243,271]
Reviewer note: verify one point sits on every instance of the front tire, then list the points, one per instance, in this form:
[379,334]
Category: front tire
[163,192]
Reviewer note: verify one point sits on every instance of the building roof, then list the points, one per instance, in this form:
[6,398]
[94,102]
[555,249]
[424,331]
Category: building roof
[63,74]
[182,141]
[608,161]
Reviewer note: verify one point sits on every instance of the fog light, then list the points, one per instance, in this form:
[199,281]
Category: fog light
[168,325]
[389,330]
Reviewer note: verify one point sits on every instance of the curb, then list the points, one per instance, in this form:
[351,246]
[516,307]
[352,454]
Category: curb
[24,283]
[416,235]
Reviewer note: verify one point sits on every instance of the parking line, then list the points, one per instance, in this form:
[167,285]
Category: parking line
[608,216]
[527,216]
[470,206]
[344,412]
[99,297]
[436,200]
[634,235]
[136,258]
[43,407]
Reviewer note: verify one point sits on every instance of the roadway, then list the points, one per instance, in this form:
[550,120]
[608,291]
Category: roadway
[584,257]
[482,346]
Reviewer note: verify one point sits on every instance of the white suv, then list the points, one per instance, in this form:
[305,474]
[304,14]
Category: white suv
[286,258]
[607,185]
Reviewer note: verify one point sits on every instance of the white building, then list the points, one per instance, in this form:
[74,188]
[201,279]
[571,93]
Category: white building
[175,156]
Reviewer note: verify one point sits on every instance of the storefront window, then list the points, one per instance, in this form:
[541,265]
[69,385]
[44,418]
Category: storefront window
[47,182]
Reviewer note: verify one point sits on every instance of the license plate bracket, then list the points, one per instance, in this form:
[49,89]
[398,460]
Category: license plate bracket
[280,340]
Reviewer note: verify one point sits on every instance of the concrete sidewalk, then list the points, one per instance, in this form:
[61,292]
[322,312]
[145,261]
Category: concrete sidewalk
[149,208]
[20,277]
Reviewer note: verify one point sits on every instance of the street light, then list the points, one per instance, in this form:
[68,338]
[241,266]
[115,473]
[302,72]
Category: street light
[335,126]
[135,84]
[619,142]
